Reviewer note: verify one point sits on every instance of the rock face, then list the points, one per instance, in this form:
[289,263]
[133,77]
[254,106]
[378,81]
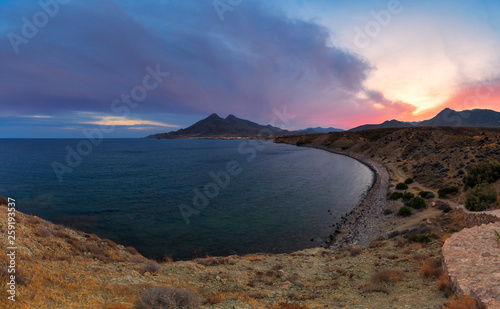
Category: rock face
[472,258]
[231,127]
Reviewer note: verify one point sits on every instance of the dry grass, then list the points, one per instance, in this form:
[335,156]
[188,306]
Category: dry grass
[167,297]
[131,250]
[288,305]
[462,302]
[151,267]
[370,288]
[444,284]
[213,261]
[392,276]
[355,251]
[168,259]
[43,232]
[215,298]
[432,269]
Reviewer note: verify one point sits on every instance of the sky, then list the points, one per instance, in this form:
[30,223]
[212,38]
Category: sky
[69,69]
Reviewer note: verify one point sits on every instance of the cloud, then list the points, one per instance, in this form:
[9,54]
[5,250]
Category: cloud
[122,121]
[479,95]
[37,116]
[258,59]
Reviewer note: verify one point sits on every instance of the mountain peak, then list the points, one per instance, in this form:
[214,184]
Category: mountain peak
[214,115]
[216,127]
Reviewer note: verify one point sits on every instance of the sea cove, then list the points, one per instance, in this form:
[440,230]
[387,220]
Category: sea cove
[237,196]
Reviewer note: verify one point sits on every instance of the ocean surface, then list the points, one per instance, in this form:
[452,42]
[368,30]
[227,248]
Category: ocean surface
[238,196]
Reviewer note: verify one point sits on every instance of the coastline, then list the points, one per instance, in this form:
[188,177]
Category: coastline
[363,224]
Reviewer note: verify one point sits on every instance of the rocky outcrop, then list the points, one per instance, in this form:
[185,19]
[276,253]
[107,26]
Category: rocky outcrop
[472,259]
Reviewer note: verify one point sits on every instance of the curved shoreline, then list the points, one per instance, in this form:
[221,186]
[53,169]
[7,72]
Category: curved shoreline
[362,224]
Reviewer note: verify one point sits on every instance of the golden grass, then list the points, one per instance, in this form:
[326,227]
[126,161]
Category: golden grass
[462,302]
[392,276]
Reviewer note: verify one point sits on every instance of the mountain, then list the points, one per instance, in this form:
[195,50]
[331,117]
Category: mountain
[386,125]
[231,127]
[468,118]
[320,130]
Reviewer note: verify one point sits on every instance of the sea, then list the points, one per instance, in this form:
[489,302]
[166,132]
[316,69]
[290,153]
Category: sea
[185,198]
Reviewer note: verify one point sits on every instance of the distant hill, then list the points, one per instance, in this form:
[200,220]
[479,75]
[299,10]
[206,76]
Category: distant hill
[446,118]
[468,118]
[320,130]
[231,127]
[386,125]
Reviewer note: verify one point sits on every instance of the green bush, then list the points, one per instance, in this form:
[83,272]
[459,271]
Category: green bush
[419,238]
[418,203]
[395,196]
[409,181]
[426,194]
[408,196]
[443,193]
[401,186]
[404,211]
[485,172]
[481,198]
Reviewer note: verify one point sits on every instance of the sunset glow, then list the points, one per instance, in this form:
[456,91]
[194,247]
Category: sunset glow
[170,64]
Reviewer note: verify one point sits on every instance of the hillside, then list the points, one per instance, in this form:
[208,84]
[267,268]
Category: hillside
[384,125]
[435,156]
[468,118]
[320,130]
[446,118]
[231,127]
[58,267]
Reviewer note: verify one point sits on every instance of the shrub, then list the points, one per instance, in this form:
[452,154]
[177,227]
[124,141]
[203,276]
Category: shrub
[431,269]
[444,284]
[426,194]
[150,267]
[287,305]
[408,196]
[355,251]
[167,297]
[418,203]
[409,181]
[43,232]
[482,197]
[131,250]
[443,193]
[395,196]
[215,299]
[462,302]
[387,276]
[110,243]
[497,235]
[401,186]
[404,211]
[370,288]
[419,238]
[485,172]
[94,249]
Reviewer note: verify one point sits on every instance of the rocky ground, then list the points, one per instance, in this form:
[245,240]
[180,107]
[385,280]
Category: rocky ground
[62,268]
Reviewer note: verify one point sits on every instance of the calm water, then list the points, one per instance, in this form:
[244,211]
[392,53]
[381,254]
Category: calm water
[129,190]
